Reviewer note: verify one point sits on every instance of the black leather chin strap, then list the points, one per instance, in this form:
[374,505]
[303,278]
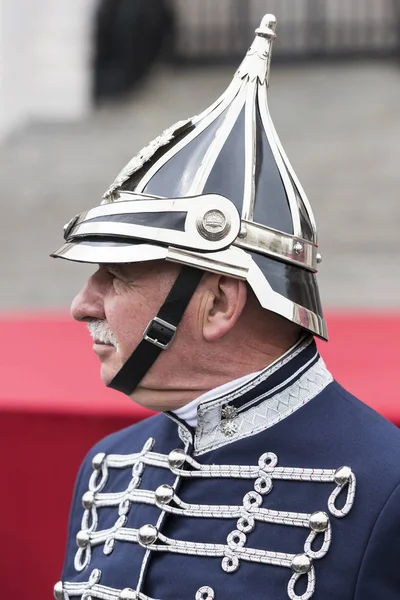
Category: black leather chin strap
[159,333]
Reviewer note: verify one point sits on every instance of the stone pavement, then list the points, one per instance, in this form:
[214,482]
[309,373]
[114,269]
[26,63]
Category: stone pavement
[340,126]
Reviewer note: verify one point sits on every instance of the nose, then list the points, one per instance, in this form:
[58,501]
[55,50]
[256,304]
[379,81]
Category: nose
[88,304]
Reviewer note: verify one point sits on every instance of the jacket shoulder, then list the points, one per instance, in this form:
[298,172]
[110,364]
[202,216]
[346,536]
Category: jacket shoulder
[373,442]
[366,417]
[379,574]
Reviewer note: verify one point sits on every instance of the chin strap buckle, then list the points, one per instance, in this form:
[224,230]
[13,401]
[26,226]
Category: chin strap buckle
[160,333]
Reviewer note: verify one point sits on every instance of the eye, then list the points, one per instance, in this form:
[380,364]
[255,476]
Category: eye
[120,272]
[112,270]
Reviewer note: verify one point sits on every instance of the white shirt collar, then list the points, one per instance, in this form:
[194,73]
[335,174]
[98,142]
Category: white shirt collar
[188,412]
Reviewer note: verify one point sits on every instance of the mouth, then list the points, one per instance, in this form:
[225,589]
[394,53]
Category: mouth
[102,336]
[102,348]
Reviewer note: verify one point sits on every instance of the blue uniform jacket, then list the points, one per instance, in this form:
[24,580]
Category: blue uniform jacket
[288,488]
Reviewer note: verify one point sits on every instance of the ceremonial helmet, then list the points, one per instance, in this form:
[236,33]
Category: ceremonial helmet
[216,192]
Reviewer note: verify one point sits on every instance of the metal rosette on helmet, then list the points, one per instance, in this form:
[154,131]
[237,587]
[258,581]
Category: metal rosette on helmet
[216,192]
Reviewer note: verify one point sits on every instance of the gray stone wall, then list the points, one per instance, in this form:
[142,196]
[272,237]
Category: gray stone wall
[45,49]
[210,27]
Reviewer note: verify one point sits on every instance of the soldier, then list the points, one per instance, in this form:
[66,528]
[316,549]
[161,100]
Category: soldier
[245,484]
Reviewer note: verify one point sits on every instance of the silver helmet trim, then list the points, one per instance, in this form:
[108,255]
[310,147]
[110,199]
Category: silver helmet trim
[285,247]
[200,232]
[208,117]
[267,235]
[233,262]
[208,162]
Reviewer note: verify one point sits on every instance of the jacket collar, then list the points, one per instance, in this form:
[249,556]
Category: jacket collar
[264,400]
[188,412]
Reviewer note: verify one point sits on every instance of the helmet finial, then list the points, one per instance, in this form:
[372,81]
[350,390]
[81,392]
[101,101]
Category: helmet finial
[257,61]
[267,27]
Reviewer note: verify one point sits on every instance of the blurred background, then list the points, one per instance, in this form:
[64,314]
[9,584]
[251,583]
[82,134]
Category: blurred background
[84,84]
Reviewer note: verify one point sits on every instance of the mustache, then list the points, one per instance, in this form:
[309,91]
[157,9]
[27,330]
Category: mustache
[101,332]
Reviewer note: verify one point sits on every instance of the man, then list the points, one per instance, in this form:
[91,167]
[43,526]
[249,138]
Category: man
[204,307]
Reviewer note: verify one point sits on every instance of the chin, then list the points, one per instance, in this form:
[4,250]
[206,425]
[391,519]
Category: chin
[107,374]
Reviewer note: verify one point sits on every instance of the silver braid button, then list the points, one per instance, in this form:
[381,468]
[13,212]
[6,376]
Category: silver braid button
[98,460]
[319,522]
[301,563]
[147,535]
[82,538]
[164,494]
[176,458]
[343,475]
[58,591]
[128,594]
[88,500]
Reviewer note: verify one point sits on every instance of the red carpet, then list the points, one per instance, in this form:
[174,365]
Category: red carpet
[54,408]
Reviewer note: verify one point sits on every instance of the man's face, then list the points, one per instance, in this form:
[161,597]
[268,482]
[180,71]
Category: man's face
[118,302]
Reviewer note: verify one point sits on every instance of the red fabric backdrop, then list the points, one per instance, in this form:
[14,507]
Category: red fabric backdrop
[53,408]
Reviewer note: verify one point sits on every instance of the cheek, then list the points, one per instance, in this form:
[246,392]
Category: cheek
[127,319]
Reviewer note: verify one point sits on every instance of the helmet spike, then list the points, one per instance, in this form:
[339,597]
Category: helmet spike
[256,63]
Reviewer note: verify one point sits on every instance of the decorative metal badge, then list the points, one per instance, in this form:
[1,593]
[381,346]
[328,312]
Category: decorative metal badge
[146,154]
[214,225]
[229,423]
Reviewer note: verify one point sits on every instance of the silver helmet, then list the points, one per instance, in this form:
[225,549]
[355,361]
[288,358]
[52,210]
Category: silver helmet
[216,192]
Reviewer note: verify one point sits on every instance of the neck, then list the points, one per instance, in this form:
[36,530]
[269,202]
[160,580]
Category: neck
[187,381]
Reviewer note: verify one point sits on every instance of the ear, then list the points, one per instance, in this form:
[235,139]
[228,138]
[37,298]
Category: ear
[224,303]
